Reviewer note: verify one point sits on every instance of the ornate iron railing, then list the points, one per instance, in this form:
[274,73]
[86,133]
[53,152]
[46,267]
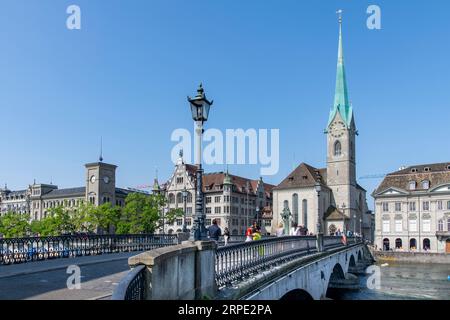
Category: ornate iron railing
[132,287]
[19,250]
[237,262]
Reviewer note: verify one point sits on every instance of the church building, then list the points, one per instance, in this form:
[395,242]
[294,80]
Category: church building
[328,200]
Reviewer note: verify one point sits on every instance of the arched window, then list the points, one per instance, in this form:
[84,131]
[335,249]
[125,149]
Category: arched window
[386,245]
[337,149]
[179,197]
[412,244]
[305,212]
[425,184]
[295,207]
[448,224]
[426,244]
[189,197]
[171,198]
[398,243]
[286,204]
[412,185]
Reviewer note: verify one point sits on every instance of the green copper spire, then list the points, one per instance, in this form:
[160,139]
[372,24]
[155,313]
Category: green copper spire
[341,102]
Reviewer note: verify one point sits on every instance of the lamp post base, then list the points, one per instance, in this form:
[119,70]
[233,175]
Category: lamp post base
[320,242]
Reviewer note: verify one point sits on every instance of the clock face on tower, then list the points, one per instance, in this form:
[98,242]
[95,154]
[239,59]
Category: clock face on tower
[106,179]
[93,179]
[337,129]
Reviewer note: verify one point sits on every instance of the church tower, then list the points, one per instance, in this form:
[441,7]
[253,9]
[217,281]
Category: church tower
[341,133]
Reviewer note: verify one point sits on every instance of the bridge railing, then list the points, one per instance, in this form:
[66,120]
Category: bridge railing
[132,287]
[20,250]
[237,262]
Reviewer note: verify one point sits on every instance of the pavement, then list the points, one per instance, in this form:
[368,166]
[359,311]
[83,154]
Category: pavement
[47,280]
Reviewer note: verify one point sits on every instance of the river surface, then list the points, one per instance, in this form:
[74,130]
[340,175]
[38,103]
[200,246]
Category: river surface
[404,281]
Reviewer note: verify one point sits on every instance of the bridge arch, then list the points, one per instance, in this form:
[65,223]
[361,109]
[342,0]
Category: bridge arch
[297,295]
[352,262]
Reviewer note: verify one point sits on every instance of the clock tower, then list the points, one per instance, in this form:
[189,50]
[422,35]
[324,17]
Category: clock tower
[100,183]
[341,133]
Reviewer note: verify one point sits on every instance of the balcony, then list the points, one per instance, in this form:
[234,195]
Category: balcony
[442,235]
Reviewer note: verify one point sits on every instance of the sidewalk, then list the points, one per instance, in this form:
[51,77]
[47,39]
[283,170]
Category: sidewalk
[7,271]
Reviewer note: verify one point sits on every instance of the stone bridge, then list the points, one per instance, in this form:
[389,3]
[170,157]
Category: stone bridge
[282,268]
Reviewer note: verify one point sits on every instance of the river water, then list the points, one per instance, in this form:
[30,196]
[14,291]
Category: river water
[404,281]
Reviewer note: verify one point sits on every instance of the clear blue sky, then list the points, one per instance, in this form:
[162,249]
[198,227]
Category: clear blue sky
[267,64]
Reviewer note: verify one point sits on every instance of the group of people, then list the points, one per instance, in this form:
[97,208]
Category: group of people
[296,230]
[252,233]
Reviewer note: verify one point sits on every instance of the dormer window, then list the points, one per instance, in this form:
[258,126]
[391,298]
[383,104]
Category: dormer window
[427,169]
[414,170]
[448,167]
[425,184]
[412,185]
[337,149]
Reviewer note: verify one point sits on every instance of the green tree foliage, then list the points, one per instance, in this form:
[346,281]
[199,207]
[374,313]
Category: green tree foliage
[14,225]
[142,214]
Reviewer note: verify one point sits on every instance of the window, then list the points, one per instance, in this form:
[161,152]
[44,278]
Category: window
[412,206]
[171,198]
[179,197]
[385,207]
[386,226]
[267,223]
[448,205]
[425,184]
[189,197]
[413,225]
[179,222]
[398,206]
[217,210]
[413,244]
[412,185]
[337,149]
[208,210]
[427,225]
[439,205]
[414,170]
[207,222]
[448,224]
[180,180]
[208,200]
[427,169]
[295,208]
[189,210]
[305,212]
[398,243]
[441,225]
[426,206]
[398,225]
[217,199]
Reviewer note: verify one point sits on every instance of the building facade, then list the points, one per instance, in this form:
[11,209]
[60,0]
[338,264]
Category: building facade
[329,199]
[412,209]
[38,199]
[235,202]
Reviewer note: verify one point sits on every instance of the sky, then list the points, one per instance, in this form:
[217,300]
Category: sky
[267,64]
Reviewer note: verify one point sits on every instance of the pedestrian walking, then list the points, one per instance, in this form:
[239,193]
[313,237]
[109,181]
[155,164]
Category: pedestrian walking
[226,235]
[214,231]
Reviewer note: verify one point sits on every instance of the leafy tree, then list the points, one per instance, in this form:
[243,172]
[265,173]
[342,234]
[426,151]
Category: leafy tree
[105,217]
[142,214]
[14,225]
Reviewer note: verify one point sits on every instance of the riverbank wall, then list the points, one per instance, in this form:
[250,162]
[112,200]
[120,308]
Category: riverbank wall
[411,257]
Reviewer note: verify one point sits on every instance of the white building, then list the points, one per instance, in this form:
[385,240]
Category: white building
[412,209]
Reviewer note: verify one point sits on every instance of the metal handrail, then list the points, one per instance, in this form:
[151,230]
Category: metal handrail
[237,262]
[20,250]
[132,287]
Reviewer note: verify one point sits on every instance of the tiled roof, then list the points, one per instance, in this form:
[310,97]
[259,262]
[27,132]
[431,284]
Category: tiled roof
[65,192]
[437,174]
[303,176]
[211,180]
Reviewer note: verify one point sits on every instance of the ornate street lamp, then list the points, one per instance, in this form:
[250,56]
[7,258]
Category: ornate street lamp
[185,194]
[200,107]
[257,216]
[318,188]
